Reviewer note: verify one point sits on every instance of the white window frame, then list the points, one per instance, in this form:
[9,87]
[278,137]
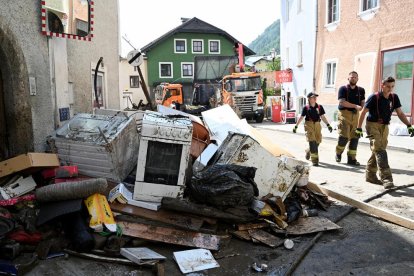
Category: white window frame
[287,65]
[369,13]
[299,6]
[192,46]
[182,70]
[175,45]
[133,76]
[159,70]
[219,46]
[300,54]
[287,11]
[331,26]
[325,72]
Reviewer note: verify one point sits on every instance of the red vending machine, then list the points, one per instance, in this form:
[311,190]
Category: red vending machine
[276,109]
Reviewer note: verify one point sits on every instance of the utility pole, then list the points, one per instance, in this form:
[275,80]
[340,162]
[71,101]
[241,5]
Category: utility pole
[141,79]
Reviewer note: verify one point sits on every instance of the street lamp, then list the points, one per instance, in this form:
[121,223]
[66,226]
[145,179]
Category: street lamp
[273,56]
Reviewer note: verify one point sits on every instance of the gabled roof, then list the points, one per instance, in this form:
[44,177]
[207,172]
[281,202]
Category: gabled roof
[195,25]
[250,61]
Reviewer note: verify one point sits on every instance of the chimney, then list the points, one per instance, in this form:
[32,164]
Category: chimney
[184,19]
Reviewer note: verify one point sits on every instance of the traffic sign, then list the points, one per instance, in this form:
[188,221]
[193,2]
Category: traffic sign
[135,58]
[283,76]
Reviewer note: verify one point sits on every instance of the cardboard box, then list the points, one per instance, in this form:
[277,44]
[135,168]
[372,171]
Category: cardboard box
[28,162]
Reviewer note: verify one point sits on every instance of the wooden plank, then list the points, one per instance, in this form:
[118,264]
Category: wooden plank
[265,237]
[249,226]
[370,209]
[309,225]
[171,236]
[165,216]
[242,234]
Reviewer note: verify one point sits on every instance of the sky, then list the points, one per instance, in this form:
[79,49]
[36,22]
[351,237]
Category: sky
[144,21]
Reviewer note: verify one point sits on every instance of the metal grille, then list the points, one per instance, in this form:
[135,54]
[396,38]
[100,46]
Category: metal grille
[245,103]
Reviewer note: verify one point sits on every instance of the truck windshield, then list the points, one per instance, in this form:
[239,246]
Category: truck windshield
[244,84]
[158,92]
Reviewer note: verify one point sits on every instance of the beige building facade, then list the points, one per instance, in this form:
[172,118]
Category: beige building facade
[374,38]
[44,79]
[129,83]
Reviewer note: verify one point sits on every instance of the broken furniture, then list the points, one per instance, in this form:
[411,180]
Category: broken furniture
[275,175]
[163,158]
[100,145]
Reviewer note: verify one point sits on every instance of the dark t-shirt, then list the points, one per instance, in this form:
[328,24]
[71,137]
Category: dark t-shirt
[313,113]
[354,96]
[380,108]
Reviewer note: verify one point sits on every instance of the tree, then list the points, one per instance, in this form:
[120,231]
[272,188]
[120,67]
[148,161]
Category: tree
[274,65]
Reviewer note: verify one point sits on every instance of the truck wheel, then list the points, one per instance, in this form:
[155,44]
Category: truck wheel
[259,119]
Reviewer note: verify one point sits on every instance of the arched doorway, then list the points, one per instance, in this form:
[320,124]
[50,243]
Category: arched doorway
[16,130]
[3,129]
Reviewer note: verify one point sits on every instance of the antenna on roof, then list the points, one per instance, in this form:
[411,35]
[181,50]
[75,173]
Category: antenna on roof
[128,41]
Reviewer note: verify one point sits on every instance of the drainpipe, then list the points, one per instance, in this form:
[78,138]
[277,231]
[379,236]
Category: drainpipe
[53,81]
[316,43]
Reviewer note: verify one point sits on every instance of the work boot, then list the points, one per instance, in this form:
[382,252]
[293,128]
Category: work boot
[387,184]
[338,157]
[315,162]
[372,178]
[307,154]
[353,162]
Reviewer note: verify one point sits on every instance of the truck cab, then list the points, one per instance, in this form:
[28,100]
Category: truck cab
[243,92]
[169,94]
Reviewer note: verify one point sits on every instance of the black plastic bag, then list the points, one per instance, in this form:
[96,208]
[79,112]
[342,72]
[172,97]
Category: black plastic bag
[224,185]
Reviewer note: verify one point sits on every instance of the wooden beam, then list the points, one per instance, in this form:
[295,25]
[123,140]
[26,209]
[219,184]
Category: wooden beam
[144,88]
[171,236]
[179,220]
[370,209]
[304,226]
[242,234]
[265,237]
[250,226]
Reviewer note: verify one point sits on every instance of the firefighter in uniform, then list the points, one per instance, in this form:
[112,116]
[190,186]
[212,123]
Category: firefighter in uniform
[313,113]
[379,107]
[351,99]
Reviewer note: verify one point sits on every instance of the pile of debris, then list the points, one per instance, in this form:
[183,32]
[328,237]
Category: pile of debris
[112,178]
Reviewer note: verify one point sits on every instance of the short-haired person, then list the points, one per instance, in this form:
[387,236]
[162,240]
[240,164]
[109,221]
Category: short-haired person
[379,107]
[313,113]
[351,99]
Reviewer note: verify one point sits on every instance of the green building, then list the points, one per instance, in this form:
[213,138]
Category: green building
[170,58]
